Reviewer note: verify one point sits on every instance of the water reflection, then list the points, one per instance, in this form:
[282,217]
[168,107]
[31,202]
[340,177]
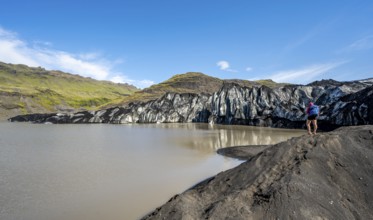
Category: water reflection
[212,137]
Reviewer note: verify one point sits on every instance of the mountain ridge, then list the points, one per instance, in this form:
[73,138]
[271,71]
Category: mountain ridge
[283,107]
[28,90]
[196,97]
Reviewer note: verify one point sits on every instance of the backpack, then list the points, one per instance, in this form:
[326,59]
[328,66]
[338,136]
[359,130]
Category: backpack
[314,110]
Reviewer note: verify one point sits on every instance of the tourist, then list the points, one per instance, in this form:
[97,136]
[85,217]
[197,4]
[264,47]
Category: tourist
[312,112]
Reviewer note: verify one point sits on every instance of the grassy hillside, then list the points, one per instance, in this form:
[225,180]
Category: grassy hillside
[25,89]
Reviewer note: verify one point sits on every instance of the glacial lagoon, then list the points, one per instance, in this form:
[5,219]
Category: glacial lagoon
[103,171]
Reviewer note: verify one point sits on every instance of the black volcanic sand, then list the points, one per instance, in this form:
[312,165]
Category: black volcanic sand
[326,176]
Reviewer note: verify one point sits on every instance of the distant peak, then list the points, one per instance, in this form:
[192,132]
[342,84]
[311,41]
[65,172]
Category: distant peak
[267,80]
[189,74]
[270,83]
[325,82]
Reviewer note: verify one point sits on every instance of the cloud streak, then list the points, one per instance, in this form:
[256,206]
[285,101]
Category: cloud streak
[365,43]
[16,51]
[311,34]
[304,75]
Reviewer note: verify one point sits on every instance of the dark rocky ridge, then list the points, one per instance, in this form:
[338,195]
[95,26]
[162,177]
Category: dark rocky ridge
[327,176]
[344,103]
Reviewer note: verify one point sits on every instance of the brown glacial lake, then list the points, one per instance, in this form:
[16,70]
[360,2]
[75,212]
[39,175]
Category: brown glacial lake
[111,172]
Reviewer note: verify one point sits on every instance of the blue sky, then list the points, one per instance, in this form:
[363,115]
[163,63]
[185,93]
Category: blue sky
[146,41]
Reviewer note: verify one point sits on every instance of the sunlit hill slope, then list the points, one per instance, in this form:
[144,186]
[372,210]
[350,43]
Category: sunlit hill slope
[26,89]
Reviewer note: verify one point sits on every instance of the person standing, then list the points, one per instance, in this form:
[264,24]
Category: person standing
[312,112]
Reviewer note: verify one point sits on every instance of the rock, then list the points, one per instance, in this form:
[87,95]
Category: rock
[347,103]
[308,177]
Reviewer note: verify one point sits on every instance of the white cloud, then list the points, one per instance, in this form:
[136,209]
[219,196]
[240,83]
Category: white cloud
[71,63]
[14,50]
[7,34]
[137,83]
[118,79]
[89,56]
[224,65]
[144,83]
[303,75]
[39,53]
[248,69]
[42,43]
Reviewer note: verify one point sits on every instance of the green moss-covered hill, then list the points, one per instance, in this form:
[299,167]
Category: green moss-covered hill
[25,90]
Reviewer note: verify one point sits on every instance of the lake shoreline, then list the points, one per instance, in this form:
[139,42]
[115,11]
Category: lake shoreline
[295,179]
